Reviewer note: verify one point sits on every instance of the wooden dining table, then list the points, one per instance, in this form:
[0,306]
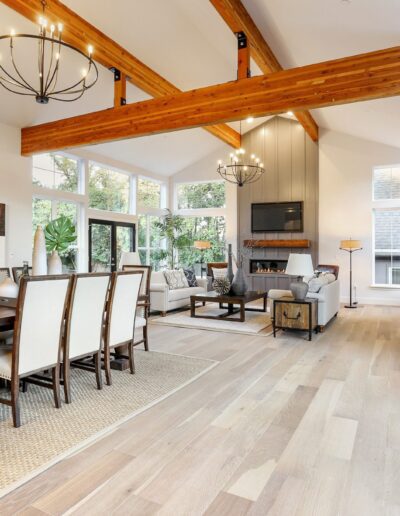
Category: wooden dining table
[7,313]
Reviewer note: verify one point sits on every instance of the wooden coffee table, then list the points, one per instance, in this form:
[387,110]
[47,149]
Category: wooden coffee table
[228,303]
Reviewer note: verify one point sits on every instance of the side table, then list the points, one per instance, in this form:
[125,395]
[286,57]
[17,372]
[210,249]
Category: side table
[291,314]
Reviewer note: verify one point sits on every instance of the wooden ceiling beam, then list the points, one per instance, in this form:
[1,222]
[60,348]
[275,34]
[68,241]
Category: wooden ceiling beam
[78,32]
[341,81]
[238,19]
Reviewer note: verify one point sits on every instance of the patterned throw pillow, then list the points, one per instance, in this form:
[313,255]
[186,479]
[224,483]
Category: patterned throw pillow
[176,279]
[191,277]
[219,273]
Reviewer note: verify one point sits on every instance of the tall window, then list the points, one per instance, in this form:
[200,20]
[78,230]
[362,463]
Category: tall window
[108,189]
[386,235]
[56,171]
[192,196]
[45,210]
[148,194]
[150,244]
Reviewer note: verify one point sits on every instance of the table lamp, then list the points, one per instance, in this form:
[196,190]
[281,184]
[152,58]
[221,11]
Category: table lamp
[202,245]
[351,246]
[299,265]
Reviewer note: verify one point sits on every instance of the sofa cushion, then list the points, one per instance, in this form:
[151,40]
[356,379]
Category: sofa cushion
[184,293]
[176,279]
[317,282]
[191,277]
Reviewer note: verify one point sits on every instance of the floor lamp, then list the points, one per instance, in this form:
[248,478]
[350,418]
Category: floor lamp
[202,245]
[351,246]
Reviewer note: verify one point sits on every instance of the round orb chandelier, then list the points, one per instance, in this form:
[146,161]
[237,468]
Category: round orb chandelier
[43,80]
[239,170]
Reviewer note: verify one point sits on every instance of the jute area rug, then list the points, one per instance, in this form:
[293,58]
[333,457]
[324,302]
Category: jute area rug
[256,323]
[47,435]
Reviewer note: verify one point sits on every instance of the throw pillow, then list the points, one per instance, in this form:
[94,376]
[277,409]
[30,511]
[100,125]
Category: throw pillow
[191,277]
[176,279]
[219,273]
[315,284]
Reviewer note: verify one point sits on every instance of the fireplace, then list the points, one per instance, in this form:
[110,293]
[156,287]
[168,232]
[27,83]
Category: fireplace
[268,266]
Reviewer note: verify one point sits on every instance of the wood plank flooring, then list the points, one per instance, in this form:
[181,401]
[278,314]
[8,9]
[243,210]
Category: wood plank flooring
[280,427]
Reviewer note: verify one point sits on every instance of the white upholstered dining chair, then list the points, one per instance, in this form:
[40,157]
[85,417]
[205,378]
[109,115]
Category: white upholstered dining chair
[84,326]
[37,340]
[120,317]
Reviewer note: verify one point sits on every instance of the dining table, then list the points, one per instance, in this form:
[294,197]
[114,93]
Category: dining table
[7,313]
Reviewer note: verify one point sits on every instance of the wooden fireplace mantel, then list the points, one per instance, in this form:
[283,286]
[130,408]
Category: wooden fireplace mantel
[299,244]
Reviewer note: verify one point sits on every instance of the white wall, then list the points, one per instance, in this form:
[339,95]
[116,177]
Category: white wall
[16,193]
[345,208]
[206,170]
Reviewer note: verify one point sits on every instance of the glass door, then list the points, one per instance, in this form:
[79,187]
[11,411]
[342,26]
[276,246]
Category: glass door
[107,240]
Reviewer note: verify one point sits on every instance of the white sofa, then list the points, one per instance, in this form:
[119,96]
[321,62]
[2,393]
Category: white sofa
[328,301]
[162,299]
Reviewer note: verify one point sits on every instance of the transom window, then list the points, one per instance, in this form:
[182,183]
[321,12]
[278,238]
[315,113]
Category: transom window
[201,195]
[148,193]
[56,171]
[108,189]
[387,183]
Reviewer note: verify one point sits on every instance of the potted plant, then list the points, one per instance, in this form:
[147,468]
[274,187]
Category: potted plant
[60,233]
[171,227]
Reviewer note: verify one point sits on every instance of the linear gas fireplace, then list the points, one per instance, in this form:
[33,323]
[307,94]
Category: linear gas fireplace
[267,266]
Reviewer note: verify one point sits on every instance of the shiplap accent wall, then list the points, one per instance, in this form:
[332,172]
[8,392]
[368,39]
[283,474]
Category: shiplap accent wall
[290,158]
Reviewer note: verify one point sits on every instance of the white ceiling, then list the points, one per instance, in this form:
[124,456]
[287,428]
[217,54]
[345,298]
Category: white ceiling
[189,44]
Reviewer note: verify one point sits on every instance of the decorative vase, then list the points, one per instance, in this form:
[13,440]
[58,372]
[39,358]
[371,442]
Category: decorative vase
[8,288]
[229,273]
[39,256]
[239,283]
[55,264]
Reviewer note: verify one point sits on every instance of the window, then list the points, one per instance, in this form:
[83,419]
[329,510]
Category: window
[149,193]
[192,196]
[45,210]
[108,189]
[56,171]
[387,246]
[387,183]
[150,244]
[211,229]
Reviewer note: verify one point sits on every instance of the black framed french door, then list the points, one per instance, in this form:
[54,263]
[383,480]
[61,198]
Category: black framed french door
[107,240]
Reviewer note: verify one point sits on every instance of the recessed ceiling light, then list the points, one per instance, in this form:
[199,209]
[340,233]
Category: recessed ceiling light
[249,119]
[290,113]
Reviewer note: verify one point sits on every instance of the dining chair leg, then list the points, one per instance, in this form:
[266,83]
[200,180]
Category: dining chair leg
[97,364]
[56,386]
[145,338]
[14,402]
[24,386]
[107,366]
[131,358]
[67,381]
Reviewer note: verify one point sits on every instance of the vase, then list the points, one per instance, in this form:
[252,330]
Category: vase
[8,288]
[39,256]
[54,264]
[239,283]
[229,273]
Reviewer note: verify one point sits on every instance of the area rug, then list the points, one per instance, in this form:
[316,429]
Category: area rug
[257,323]
[47,435]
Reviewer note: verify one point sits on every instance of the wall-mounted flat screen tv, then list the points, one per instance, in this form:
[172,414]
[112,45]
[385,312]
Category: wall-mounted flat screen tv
[277,217]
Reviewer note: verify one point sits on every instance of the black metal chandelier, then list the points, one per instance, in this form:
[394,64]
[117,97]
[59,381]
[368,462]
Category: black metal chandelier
[238,170]
[45,83]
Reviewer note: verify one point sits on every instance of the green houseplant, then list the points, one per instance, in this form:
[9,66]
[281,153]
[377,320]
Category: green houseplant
[170,228]
[60,233]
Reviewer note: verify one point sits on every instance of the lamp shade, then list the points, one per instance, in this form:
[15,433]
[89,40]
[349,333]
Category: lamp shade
[202,244]
[350,245]
[129,258]
[300,265]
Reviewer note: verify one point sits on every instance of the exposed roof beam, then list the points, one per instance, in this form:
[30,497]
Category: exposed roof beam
[79,32]
[238,19]
[341,81]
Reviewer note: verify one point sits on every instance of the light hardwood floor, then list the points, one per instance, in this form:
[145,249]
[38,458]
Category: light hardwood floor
[280,427]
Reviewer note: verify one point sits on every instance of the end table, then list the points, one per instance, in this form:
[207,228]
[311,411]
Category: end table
[292,314]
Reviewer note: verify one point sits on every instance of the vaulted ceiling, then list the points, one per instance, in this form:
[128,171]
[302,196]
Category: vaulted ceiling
[189,44]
